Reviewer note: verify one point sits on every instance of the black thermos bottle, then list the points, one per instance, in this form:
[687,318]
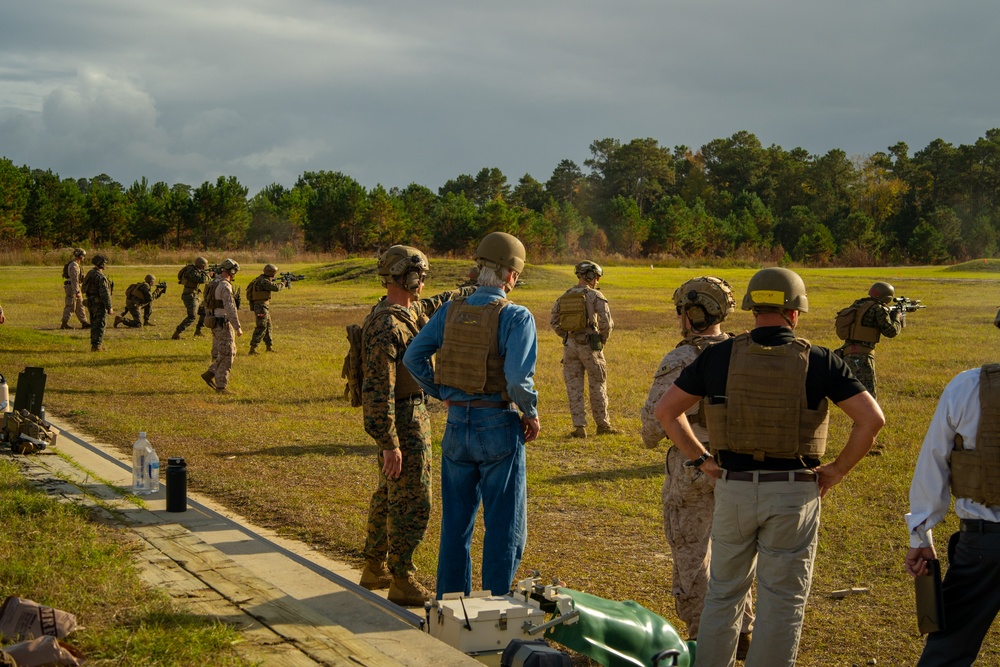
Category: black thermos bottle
[176,484]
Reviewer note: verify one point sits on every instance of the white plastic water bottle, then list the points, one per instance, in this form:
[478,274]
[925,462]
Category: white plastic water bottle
[4,395]
[153,470]
[140,469]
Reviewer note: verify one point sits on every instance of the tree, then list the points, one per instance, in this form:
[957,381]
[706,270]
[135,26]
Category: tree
[385,217]
[530,194]
[14,191]
[738,164]
[334,208]
[105,208]
[641,170]
[221,213]
[816,245]
[566,183]
[627,228]
[457,227]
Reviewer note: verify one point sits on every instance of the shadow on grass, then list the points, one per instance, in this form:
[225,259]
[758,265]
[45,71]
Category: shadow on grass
[300,450]
[642,472]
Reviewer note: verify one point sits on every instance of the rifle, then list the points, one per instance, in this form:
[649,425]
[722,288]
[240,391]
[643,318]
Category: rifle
[905,305]
[902,305]
[161,289]
[290,277]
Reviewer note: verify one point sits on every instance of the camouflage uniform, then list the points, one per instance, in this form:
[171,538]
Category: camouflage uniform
[687,495]
[580,358]
[227,323]
[98,289]
[858,355]
[192,278]
[132,303]
[400,508]
[262,286]
[74,298]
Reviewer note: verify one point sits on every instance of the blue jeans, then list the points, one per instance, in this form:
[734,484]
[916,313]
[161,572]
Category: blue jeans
[482,461]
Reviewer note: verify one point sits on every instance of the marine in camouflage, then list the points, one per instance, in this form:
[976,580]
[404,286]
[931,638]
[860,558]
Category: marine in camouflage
[132,304]
[687,496]
[860,356]
[584,366]
[191,297]
[224,334]
[74,297]
[98,305]
[400,508]
[261,311]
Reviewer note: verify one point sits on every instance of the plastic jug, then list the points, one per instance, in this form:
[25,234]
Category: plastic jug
[145,467]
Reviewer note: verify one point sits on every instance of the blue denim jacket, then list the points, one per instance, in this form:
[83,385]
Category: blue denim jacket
[518,344]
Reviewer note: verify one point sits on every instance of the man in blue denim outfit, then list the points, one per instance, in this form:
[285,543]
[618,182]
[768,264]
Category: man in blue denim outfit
[486,348]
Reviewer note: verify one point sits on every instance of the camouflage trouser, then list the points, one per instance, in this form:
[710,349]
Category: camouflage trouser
[262,328]
[863,367]
[191,302]
[223,353]
[400,508]
[132,308]
[74,304]
[688,503]
[98,320]
[578,359]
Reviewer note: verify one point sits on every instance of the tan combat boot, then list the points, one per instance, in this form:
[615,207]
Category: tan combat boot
[176,336]
[607,430]
[579,432]
[209,378]
[96,348]
[408,592]
[253,350]
[376,576]
[118,320]
[65,325]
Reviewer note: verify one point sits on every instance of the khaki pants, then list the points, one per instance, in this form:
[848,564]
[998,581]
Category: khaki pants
[223,353]
[74,304]
[579,360]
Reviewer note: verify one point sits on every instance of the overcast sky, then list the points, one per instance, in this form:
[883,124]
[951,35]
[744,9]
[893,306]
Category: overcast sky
[403,91]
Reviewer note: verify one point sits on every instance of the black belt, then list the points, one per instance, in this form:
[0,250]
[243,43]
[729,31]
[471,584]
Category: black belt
[503,405]
[979,526]
[416,399]
[790,476]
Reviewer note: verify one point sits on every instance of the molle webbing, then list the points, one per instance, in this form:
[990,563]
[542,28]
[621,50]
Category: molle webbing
[211,301]
[862,332]
[766,411]
[257,293]
[190,277]
[975,474]
[469,358]
[700,344]
[573,312]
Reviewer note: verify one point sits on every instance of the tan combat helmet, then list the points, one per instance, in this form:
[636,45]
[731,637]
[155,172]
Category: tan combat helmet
[270,270]
[99,260]
[500,250]
[706,301]
[201,263]
[229,266]
[406,263]
[778,288]
[150,279]
[79,252]
[589,270]
[882,292]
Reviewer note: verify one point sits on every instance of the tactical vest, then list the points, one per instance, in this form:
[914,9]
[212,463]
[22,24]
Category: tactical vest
[256,292]
[975,474]
[92,283]
[66,269]
[469,358]
[766,412]
[406,386]
[132,292]
[212,302]
[190,277]
[849,323]
[573,312]
[701,344]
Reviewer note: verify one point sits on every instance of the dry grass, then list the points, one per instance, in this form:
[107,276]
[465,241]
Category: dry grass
[287,451]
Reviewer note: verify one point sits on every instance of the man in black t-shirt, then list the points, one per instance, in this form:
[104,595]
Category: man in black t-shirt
[766,402]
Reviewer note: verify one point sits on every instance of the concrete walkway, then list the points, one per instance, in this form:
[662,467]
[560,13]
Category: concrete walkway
[293,605]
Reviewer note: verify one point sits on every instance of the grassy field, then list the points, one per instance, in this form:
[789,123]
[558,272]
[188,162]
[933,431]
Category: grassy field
[287,450]
[54,554]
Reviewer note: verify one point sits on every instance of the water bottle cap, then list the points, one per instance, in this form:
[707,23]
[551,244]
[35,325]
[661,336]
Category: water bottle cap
[142,435]
[176,461]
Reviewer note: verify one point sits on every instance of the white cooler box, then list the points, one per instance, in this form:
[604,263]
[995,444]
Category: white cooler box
[482,624]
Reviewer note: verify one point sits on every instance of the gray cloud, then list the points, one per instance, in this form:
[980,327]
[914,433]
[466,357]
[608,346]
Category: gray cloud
[398,92]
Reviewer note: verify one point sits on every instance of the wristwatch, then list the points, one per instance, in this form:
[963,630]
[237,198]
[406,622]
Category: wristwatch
[698,461]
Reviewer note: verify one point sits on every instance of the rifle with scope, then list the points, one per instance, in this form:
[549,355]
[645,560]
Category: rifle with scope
[905,305]
[161,289]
